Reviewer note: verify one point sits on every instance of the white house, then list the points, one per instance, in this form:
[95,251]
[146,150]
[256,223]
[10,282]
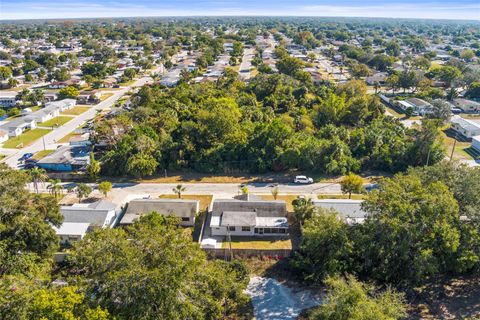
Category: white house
[99,214]
[17,126]
[7,100]
[72,231]
[248,218]
[466,105]
[53,109]
[476,143]
[349,210]
[184,209]
[465,127]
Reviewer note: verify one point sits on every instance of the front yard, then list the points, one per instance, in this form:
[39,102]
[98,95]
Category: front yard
[78,110]
[42,154]
[205,199]
[26,138]
[56,122]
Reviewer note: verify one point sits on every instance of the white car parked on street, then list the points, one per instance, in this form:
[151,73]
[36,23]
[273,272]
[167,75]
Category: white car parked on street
[303,180]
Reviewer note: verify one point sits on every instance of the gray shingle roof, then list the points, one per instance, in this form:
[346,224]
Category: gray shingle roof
[346,208]
[176,207]
[94,213]
[236,218]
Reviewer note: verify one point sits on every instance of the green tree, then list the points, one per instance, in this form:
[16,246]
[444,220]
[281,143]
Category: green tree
[93,168]
[350,299]
[351,183]
[82,191]
[153,270]
[326,248]
[55,187]
[303,209]
[275,192]
[5,73]
[141,164]
[69,92]
[178,190]
[104,187]
[38,175]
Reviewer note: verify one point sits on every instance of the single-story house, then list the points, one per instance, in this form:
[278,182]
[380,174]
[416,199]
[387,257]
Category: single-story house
[184,209]
[419,105]
[66,158]
[100,214]
[466,105]
[17,126]
[89,97]
[349,210]
[71,231]
[465,127]
[7,100]
[378,77]
[53,109]
[249,217]
[79,218]
[476,143]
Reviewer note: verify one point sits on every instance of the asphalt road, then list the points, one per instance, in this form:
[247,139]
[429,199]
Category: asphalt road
[246,64]
[49,141]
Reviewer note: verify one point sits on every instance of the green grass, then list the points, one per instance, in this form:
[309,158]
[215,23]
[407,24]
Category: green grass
[69,136]
[459,153]
[42,154]
[26,138]
[75,111]
[56,122]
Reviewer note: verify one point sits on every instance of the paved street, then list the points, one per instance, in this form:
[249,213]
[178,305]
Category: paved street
[49,140]
[246,64]
[124,192]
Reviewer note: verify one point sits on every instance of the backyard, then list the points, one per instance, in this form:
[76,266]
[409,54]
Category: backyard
[25,138]
[258,243]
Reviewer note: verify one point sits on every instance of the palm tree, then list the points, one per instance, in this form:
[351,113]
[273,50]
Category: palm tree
[38,175]
[275,192]
[55,187]
[178,190]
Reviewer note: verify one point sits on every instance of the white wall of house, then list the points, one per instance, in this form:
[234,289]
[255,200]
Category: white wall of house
[476,143]
[234,231]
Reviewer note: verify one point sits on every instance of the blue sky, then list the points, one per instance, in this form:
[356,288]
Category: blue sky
[40,9]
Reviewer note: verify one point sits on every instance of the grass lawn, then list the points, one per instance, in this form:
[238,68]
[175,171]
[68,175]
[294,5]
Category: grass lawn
[205,199]
[459,153]
[341,196]
[69,136]
[26,138]
[394,113]
[56,122]
[42,154]
[75,111]
[2,156]
[258,243]
[105,96]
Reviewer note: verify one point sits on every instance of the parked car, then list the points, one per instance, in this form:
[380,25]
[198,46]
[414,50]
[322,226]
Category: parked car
[31,161]
[303,180]
[371,186]
[26,156]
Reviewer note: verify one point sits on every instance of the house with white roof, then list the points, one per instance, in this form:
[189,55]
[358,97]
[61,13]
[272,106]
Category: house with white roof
[349,210]
[79,218]
[250,217]
[17,126]
[465,127]
[476,143]
[466,105]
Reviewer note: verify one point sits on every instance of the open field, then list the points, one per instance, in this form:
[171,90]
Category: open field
[42,154]
[55,122]
[258,243]
[25,139]
[205,200]
[75,111]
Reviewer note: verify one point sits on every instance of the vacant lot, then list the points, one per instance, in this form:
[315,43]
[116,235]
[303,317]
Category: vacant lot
[205,199]
[258,243]
[75,111]
[26,138]
[461,148]
[55,122]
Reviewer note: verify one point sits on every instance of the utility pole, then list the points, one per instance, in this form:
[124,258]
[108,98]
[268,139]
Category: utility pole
[453,148]
[44,147]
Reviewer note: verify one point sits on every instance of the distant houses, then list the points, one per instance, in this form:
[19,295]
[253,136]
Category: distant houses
[467,106]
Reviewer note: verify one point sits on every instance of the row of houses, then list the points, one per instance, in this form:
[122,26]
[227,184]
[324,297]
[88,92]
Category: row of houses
[18,125]
[244,216]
